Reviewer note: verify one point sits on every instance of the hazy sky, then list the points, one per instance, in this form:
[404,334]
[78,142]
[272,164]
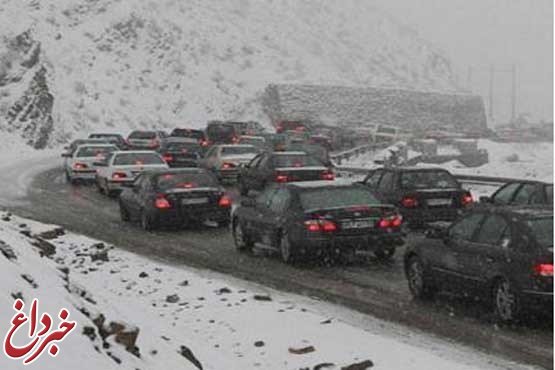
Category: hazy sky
[482,32]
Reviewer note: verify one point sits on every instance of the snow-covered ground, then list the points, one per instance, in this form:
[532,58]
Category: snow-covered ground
[224,323]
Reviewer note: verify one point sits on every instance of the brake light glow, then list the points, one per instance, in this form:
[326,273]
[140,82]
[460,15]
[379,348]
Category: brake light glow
[167,157]
[409,202]
[227,165]
[79,166]
[187,185]
[281,177]
[161,202]
[119,176]
[467,199]
[327,175]
[320,226]
[390,222]
[544,269]
[204,143]
[154,143]
[224,201]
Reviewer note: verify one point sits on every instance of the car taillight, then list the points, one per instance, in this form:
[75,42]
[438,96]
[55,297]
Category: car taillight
[224,201]
[390,221]
[167,157]
[544,269]
[79,166]
[327,175]
[227,165]
[320,226]
[119,175]
[280,177]
[235,140]
[466,199]
[409,202]
[154,143]
[161,202]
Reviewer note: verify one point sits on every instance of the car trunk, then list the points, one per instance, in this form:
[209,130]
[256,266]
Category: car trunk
[133,171]
[181,157]
[194,201]
[352,220]
[437,198]
[289,174]
[143,143]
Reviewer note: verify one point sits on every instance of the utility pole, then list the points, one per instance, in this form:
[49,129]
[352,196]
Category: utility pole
[491,75]
[513,93]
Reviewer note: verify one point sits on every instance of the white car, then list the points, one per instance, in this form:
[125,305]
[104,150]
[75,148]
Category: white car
[123,166]
[79,166]
[225,160]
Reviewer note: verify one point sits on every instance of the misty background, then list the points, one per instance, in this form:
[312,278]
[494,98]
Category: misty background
[478,34]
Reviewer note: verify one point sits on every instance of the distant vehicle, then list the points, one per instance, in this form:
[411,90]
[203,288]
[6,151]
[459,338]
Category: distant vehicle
[290,125]
[270,167]
[174,197]
[116,139]
[423,195]
[80,166]
[501,254]
[316,150]
[145,140]
[249,128]
[309,218]
[122,167]
[322,140]
[70,149]
[181,152]
[522,193]
[225,160]
[219,132]
[198,135]
[258,142]
[276,142]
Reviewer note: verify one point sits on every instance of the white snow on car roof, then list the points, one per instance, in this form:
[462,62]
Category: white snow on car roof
[322,183]
[99,145]
[237,146]
[290,153]
[300,168]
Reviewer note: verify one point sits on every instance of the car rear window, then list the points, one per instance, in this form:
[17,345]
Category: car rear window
[104,136]
[90,151]
[130,159]
[185,181]
[295,160]
[183,132]
[237,150]
[428,180]
[221,130]
[142,135]
[542,230]
[330,197]
[183,147]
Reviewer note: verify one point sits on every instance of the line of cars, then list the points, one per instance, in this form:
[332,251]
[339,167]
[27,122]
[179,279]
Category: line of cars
[500,248]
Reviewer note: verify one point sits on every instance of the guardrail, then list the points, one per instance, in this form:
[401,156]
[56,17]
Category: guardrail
[467,179]
[361,149]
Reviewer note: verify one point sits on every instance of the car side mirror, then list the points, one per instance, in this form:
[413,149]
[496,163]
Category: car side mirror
[484,199]
[66,155]
[248,202]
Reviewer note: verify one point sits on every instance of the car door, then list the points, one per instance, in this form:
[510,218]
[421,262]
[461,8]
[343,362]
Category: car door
[248,173]
[505,194]
[133,195]
[373,179]
[448,263]
[524,194]
[273,216]
[254,215]
[210,158]
[487,252]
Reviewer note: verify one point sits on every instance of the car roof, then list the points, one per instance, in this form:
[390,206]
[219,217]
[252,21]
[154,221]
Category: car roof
[163,171]
[526,181]
[135,152]
[412,169]
[338,183]
[251,137]
[236,146]
[103,134]
[95,145]
[290,153]
[522,211]
[187,129]
[173,139]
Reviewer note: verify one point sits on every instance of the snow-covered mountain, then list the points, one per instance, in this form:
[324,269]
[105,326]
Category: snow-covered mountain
[122,64]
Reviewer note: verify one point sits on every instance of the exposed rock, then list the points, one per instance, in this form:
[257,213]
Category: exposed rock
[259,343]
[89,332]
[52,234]
[30,280]
[174,298]
[367,364]
[46,249]
[184,283]
[188,354]
[143,275]
[301,350]
[323,365]
[100,256]
[224,290]
[7,251]
[262,297]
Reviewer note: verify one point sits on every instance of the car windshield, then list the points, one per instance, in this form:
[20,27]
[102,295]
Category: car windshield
[142,135]
[238,150]
[130,159]
[95,151]
[185,181]
[330,197]
[183,132]
[542,229]
[183,147]
[295,160]
[428,180]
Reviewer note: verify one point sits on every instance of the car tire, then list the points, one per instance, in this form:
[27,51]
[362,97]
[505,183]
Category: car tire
[384,254]
[287,250]
[240,238]
[420,284]
[98,186]
[147,224]
[124,213]
[505,301]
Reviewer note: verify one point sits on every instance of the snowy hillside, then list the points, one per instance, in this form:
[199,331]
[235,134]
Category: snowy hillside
[127,64]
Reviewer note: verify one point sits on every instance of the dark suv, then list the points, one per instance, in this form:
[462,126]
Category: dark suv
[522,192]
[307,218]
[218,132]
[190,133]
[502,254]
[423,195]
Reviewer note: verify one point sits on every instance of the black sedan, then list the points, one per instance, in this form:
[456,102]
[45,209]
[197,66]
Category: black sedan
[116,139]
[502,254]
[521,193]
[272,167]
[315,217]
[174,197]
[423,195]
[180,152]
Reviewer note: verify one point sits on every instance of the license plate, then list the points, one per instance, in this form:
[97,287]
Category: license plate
[358,224]
[439,202]
[194,201]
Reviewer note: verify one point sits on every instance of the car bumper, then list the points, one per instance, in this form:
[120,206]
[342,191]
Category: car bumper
[114,186]
[228,176]
[365,242]
[89,175]
[423,216]
[180,217]
[537,299]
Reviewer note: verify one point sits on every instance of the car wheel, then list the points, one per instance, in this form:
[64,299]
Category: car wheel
[98,186]
[505,301]
[124,213]
[287,251]
[146,222]
[240,238]
[419,282]
[384,253]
